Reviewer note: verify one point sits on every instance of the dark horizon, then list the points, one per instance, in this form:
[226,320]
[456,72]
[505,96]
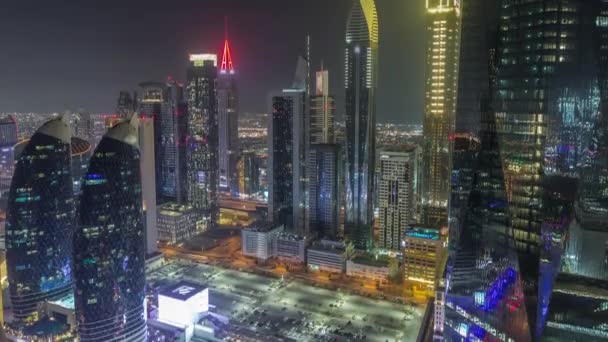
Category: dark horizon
[70,56]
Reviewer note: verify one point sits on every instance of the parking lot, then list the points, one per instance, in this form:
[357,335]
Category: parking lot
[292,310]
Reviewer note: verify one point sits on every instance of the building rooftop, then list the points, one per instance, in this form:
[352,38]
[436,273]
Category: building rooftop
[66,302]
[423,233]
[334,248]
[57,128]
[262,227]
[371,260]
[174,209]
[183,290]
[290,236]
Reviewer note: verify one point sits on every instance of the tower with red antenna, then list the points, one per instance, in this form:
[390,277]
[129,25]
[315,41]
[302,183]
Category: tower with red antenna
[227,66]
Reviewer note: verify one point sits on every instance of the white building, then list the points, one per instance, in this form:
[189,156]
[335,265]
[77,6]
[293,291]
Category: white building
[259,240]
[327,256]
[182,305]
[367,267]
[291,248]
[396,201]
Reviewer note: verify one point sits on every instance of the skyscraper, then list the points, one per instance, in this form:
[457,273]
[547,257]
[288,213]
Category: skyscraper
[322,107]
[361,80]
[146,143]
[228,116]
[397,204]
[8,139]
[202,144]
[441,88]
[323,195]
[109,254]
[40,221]
[153,106]
[174,130]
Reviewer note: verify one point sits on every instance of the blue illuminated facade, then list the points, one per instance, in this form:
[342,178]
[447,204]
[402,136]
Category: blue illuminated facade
[109,254]
[40,221]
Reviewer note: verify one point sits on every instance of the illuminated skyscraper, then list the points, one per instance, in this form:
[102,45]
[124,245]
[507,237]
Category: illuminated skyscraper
[228,116]
[361,72]
[322,107]
[151,107]
[174,129]
[323,195]
[441,88]
[202,143]
[8,139]
[396,201]
[109,254]
[40,221]
[146,143]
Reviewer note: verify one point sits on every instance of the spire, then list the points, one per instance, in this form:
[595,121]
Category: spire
[226,58]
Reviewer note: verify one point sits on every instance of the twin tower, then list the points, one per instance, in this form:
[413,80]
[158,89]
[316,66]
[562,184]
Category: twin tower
[91,247]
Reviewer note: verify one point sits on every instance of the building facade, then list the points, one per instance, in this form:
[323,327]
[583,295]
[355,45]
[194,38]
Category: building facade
[441,89]
[40,222]
[176,223]
[424,257]
[291,248]
[259,240]
[322,108]
[228,116]
[323,195]
[361,73]
[202,145]
[326,256]
[8,139]
[396,198]
[174,129]
[109,258]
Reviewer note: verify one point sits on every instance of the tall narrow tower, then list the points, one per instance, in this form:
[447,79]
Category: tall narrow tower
[202,149]
[441,88]
[228,116]
[361,78]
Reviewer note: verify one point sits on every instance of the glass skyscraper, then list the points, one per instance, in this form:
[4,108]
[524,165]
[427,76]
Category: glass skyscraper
[109,253]
[40,221]
[202,144]
[441,90]
[361,73]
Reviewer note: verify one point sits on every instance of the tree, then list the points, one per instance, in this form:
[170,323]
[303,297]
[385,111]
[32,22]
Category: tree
[349,251]
[395,275]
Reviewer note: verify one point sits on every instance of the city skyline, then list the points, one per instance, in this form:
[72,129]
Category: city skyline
[115,53]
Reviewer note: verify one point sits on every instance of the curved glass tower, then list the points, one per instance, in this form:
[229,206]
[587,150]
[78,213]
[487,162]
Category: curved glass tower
[39,221]
[109,243]
[361,78]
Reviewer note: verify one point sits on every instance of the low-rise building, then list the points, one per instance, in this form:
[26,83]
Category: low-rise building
[291,248]
[369,267]
[259,240]
[424,256]
[327,256]
[176,223]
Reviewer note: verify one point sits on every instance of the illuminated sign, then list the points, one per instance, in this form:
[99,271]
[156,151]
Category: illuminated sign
[200,59]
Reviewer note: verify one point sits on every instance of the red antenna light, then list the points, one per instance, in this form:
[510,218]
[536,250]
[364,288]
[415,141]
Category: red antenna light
[226,58]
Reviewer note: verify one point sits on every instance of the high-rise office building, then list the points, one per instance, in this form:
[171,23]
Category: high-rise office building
[323,195]
[361,73]
[174,129]
[109,254]
[40,222]
[146,143]
[202,144]
[396,201]
[478,37]
[286,108]
[441,89]
[8,139]
[228,116]
[249,182]
[152,106]
[82,126]
[322,107]
[126,104]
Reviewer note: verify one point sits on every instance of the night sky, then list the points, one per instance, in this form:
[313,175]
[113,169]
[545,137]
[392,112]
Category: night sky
[65,55]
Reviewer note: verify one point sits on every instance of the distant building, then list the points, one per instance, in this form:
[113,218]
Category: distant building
[424,257]
[326,256]
[148,166]
[368,267]
[202,144]
[176,223]
[151,108]
[249,173]
[322,107]
[81,153]
[8,139]
[291,248]
[83,126]
[109,285]
[259,240]
[323,196]
[396,196]
[228,116]
[40,222]
[174,129]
